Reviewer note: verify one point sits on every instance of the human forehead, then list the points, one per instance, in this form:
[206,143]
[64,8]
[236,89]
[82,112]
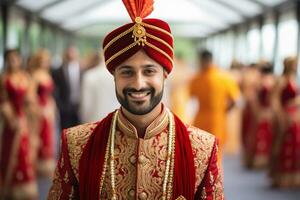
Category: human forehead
[139,60]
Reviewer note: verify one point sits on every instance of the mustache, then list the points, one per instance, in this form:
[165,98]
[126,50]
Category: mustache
[128,90]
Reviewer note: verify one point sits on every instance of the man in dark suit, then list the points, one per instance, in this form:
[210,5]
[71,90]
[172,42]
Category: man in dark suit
[67,88]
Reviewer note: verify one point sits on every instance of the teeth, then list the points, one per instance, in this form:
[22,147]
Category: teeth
[138,94]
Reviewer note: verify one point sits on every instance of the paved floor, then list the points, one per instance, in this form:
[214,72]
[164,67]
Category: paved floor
[242,184]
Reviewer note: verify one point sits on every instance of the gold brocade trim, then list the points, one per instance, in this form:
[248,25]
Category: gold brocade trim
[160,51]
[123,125]
[77,137]
[117,37]
[180,198]
[203,194]
[157,28]
[157,125]
[202,145]
[162,123]
[159,40]
[121,52]
[56,189]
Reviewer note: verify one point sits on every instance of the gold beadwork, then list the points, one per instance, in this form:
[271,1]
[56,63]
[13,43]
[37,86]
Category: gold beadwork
[104,165]
[139,32]
[138,20]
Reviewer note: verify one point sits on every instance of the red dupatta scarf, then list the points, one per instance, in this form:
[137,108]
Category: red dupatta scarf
[92,162]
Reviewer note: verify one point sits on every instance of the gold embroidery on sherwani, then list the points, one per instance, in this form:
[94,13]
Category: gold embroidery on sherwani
[218,185]
[56,189]
[139,163]
[77,137]
[180,198]
[203,194]
[202,145]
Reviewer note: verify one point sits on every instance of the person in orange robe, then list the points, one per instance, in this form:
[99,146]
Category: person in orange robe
[142,150]
[216,93]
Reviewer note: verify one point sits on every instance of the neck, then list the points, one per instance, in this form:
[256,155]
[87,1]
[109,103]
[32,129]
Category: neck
[141,122]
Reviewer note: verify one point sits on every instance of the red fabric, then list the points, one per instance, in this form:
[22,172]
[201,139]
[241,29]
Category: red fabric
[23,169]
[209,183]
[92,159]
[127,39]
[264,96]
[261,146]
[289,153]
[138,8]
[288,93]
[16,95]
[46,147]
[44,91]
[184,166]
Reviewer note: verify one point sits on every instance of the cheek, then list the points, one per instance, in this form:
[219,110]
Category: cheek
[119,85]
[158,84]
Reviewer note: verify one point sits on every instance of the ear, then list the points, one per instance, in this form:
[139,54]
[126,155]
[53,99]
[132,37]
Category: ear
[166,74]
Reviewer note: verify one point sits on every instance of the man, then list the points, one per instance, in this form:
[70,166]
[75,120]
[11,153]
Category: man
[97,92]
[216,93]
[67,88]
[141,150]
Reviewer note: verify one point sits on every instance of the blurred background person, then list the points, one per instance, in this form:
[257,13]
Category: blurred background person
[261,133]
[285,168]
[67,79]
[97,91]
[216,93]
[232,145]
[39,70]
[17,174]
[249,86]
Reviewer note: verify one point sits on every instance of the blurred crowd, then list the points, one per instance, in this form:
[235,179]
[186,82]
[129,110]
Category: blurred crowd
[248,108]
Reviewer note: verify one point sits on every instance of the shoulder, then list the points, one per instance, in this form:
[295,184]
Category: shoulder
[80,132]
[75,139]
[200,138]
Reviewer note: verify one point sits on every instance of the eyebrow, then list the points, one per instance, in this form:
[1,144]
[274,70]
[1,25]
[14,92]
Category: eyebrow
[123,67]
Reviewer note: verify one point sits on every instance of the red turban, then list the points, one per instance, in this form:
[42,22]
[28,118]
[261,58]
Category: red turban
[152,35]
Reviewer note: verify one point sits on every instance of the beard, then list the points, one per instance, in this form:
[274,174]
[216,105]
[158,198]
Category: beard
[139,107]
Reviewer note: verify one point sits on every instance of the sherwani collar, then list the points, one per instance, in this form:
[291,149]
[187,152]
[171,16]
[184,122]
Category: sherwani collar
[156,127]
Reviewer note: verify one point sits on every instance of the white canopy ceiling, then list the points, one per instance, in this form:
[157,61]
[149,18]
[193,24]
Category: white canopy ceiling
[189,18]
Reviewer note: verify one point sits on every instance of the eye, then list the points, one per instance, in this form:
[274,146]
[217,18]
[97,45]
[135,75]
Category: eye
[149,71]
[126,72]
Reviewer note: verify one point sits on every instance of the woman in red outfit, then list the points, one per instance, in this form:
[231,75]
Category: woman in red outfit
[286,148]
[249,86]
[17,177]
[260,140]
[45,158]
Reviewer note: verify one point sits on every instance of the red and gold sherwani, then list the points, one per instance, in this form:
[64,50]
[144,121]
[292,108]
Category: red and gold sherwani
[139,162]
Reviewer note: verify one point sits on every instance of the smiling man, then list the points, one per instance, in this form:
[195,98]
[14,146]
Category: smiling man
[141,150]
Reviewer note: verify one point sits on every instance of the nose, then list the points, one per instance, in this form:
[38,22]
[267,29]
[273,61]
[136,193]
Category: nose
[139,81]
